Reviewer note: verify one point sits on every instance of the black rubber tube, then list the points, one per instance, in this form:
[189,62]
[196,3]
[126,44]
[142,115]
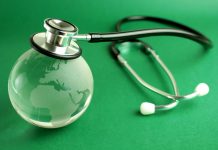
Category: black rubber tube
[182,31]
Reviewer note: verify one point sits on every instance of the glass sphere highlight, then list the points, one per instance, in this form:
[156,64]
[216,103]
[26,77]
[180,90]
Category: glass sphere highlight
[49,92]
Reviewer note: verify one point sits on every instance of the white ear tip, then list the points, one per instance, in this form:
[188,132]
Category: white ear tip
[147,108]
[202,89]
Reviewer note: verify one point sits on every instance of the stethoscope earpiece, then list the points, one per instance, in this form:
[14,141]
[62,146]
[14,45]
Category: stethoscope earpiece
[147,108]
[202,89]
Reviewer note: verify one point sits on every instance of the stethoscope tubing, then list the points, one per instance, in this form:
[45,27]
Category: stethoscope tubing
[177,29]
[130,36]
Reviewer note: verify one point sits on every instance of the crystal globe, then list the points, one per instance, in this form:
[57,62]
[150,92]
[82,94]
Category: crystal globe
[49,92]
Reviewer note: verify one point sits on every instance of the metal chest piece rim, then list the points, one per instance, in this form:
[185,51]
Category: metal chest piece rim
[57,40]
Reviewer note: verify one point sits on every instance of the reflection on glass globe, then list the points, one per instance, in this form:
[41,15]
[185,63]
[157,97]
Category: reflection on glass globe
[49,92]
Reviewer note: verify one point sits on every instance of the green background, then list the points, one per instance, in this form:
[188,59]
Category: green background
[112,121]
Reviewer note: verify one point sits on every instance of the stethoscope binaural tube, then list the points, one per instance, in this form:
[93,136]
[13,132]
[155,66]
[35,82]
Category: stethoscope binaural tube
[147,108]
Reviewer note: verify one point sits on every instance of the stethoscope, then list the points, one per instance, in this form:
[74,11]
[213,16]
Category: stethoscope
[59,41]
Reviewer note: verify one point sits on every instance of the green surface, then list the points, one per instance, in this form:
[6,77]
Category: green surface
[112,121]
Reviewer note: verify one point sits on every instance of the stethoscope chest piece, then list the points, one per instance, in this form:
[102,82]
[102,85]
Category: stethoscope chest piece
[57,40]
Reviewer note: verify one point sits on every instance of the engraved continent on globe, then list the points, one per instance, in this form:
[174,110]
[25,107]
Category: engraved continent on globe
[50,92]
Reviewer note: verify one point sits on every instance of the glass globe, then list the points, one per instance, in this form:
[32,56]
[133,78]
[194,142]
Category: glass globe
[50,92]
